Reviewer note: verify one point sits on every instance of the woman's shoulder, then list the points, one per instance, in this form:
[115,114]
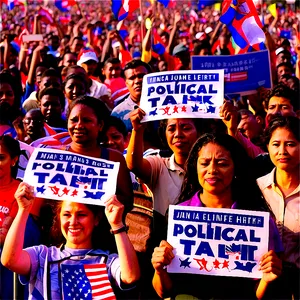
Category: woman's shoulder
[112,155]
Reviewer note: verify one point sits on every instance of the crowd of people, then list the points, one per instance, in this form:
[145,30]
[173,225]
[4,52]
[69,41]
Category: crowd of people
[75,84]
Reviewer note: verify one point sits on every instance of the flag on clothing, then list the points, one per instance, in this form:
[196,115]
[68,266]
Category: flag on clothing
[46,16]
[86,282]
[122,8]
[244,24]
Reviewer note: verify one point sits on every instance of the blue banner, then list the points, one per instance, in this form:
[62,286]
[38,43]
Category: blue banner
[244,73]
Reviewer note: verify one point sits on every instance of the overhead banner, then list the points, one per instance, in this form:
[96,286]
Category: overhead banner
[182,94]
[244,73]
[63,175]
[223,242]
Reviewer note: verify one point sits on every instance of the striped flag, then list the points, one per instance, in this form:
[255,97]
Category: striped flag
[242,20]
[46,16]
[86,282]
[122,8]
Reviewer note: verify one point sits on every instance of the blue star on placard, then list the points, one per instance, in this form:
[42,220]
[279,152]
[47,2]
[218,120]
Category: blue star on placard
[40,189]
[185,263]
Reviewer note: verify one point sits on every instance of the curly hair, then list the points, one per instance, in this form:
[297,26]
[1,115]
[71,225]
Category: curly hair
[244,189]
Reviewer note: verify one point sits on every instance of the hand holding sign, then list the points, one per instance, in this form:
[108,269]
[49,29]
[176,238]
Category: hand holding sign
[271,266]
[135,117]
[24,196]
[114,212]
[162,256]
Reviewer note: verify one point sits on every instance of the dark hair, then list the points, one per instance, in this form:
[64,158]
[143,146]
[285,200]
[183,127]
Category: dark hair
[57,236]
[290,123]
[101,111]
[118,123]
[163,127]
[12,146]
[135,63]
[244,189]
[286,64]
[282,90]
[6,77]
[202,45]
[51,91]
[112,60]
[78,76]
[51,72]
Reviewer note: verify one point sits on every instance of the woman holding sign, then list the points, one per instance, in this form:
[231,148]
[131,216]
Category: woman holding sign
[163,175]
[217,177]
[281,189]
[65,272]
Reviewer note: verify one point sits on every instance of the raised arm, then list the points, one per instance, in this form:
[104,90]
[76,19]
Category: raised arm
[134,158]
[13,256]
[161,257]
[130,271]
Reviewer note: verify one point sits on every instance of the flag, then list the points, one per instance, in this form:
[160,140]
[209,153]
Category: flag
[244,24]
[164,2]
[64,5]
[122,8]
[46,16]
[204,3]
[272,10]
[86,282]
[10,4]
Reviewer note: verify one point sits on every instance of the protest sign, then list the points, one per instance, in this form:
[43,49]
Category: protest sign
[224,242]
[62,175]
[244,73]
[182,94]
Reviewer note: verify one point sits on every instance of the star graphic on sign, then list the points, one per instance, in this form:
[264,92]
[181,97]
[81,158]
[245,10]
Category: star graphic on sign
[195,108]
[202,264]
[74,193]
[175,109]
[66,191]
[153,112]
[183,108]
[211,109]
[185,263]
[225,264]
[40,189]
[166,111]
[216,264]
[54,189]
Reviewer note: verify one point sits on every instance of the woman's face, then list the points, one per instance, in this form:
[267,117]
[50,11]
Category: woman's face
[284,150]
[51,108]
[77,223]
[181,134]
[6,162]
[7,94]
[215,169]
[115,139]
[83,125]
[74,88]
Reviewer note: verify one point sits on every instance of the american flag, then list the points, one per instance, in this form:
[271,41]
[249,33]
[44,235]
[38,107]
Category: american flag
[88,281]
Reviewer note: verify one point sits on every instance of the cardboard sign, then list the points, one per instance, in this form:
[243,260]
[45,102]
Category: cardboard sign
[244,73]
[182,94]
[224,242]
[63,175]
[32,38]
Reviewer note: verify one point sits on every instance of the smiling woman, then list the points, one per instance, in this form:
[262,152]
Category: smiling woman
[41,266]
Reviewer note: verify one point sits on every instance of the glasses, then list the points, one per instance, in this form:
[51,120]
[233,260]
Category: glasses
[28,121]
